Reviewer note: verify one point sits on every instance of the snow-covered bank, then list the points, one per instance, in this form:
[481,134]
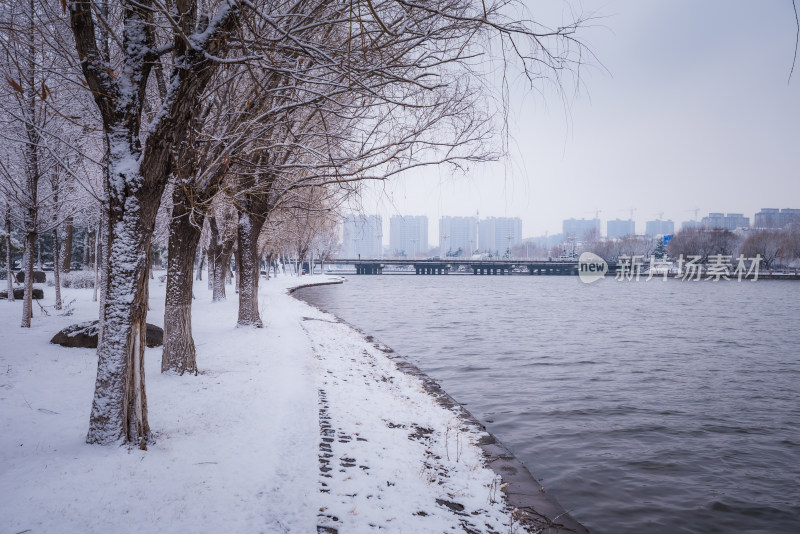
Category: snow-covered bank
[299,426]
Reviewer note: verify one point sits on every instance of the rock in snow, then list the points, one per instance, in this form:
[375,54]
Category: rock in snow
[19,293]
[84,335]
[39,277]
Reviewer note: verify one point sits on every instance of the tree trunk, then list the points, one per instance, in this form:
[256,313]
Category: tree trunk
[237,264]
[39,265]
[27,268]
[179,352]
[31,155]
[200,265]
[219,278]
[56,270]
[210,273]
[66,251]
[96,257]
[119,410]
[9,264]
[222,250]
[86,259]
[247,231]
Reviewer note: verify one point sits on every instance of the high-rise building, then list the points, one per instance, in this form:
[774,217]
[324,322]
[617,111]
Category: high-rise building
[547,241]
[408,236]
[775,218]
[731,221]
[458,234]
[619,228]
[659,227]
[685,225]
[496,235]
[579,229]
[362,237]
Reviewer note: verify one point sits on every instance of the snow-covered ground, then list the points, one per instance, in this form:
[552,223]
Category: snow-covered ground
[302,426]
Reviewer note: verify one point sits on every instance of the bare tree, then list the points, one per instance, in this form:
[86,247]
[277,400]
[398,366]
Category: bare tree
[768,244]
[22,68]
[137,171]
[703,242]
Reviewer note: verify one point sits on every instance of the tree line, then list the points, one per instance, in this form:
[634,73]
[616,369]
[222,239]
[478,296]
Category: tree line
[777,247]
[233,130]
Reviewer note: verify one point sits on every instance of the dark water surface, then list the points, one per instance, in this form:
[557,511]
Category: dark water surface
[652,407]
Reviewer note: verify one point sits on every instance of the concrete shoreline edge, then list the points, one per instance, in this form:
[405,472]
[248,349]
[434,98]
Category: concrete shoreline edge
[537,508]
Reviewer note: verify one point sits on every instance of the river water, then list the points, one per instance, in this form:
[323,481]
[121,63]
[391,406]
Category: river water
[647,407]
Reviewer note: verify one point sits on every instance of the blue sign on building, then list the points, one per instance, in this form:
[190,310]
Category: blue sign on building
[667,239]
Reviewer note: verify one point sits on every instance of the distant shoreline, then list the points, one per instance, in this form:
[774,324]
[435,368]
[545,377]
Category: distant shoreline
[761,276]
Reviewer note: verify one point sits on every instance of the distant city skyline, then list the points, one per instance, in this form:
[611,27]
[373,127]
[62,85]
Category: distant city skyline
[459,235]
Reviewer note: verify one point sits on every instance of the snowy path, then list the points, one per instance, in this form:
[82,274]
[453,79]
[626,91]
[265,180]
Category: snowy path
[390,457]
[302,426]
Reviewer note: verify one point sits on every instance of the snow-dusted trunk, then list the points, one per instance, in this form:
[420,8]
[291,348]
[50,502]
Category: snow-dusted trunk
[66,245]
[9,265]
[96,256]
[56,270]
[136,174]
[210,273]
[87,257]
[27,269]
[200,264]
[31,154]
[220,271]
[119,410]
[247,229]
[30,233]
[220,251]
[184,235]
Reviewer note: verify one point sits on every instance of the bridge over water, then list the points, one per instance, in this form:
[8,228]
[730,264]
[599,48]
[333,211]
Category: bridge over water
[482,267]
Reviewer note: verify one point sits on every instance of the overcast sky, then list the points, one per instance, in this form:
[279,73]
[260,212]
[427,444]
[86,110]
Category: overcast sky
[691,108]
